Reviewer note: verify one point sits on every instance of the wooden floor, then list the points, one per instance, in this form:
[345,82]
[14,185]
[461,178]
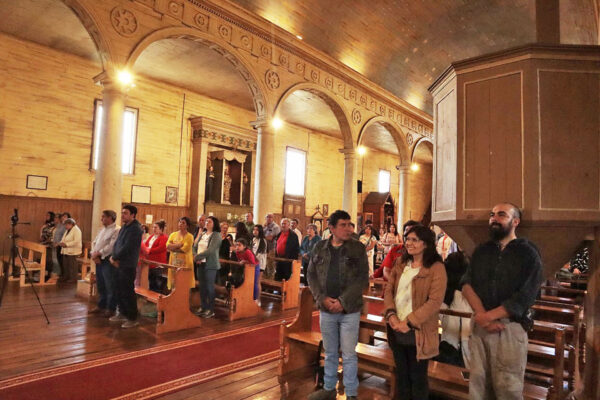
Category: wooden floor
[28,344]
[261,383]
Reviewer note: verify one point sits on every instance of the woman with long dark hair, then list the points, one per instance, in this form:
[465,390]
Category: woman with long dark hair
[209,265]
[241,231]
[412,300]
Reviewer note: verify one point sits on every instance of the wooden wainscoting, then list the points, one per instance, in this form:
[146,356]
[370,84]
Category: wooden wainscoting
[34,209]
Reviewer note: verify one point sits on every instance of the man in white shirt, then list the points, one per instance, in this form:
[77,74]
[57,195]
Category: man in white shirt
[102,248]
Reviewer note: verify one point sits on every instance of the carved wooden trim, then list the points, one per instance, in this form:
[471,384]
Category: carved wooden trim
[218,132]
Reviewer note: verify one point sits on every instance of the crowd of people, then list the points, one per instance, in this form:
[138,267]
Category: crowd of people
[424,269]
[499,285]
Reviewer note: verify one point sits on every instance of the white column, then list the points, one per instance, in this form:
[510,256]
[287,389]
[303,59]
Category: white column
[108,187]
[350,198]
[263,177]
[403,214]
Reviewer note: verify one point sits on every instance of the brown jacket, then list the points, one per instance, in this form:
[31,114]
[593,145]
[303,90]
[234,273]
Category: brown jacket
[428,289]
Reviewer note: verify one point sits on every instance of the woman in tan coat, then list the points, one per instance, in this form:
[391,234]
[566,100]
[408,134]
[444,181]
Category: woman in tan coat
[412,300]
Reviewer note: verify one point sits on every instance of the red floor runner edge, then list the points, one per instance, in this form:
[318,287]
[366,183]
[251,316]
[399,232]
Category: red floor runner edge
[118,378]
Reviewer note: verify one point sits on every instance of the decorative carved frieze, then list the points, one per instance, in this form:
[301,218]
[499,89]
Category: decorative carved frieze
[258,43]
[222,133]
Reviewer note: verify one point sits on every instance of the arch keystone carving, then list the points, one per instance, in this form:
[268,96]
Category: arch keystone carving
[272,79]
[123,21]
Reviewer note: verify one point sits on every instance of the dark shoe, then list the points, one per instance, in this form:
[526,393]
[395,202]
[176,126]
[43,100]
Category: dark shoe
[207,314]
[97,310]
[199,311]
[108,313]
[323,394]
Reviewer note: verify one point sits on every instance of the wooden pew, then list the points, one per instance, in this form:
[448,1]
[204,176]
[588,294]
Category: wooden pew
[299,343]
[85,260]
[173,310]
[556,360]
[34,256]
[288,290]
[239,302]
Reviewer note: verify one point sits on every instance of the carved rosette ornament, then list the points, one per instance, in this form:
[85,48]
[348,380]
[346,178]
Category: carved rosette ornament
[272,79]
[246,42]
[224,31]
[123,21]
[265,51]
[329,82]
[201,20]
[356,117]
[175,8]
[409,139]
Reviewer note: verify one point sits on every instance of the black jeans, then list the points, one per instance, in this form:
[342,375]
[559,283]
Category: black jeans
[125,291]
[411,374]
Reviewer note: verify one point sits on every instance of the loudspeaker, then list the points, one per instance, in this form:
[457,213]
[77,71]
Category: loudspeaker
[359,186]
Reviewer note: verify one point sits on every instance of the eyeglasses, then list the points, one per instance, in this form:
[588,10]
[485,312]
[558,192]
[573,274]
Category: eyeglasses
[412,240]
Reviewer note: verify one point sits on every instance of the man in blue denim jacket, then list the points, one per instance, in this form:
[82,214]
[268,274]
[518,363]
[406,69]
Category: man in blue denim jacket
[338,273]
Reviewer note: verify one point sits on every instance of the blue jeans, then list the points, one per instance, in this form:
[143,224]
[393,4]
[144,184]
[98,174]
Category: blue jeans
[207,287]
[340,331]
[105,280]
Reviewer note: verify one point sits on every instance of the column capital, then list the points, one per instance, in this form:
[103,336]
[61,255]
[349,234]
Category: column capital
[404,169]
[259,123]
[109,82]
[348,153]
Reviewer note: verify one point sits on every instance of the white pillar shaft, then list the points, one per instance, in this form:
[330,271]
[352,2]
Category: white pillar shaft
[403,214]
[350,197]
[263,179]
[108,187]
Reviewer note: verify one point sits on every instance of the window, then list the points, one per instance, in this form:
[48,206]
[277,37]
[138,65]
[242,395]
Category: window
[128,140]
[384,181]
[295,170]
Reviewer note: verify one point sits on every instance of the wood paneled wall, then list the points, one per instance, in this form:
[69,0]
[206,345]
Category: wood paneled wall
[34,209]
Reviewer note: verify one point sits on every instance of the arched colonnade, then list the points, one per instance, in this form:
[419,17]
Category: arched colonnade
[271,69]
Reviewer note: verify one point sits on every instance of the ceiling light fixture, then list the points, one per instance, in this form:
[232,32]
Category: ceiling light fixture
[362,150]
[299,37]
[125,77]
[414,167]
[277,123]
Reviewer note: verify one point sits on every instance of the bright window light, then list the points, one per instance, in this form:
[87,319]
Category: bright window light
[128,140]
[295,169]
[384,181]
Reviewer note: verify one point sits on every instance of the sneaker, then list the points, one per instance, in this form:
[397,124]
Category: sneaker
[323,394]
[207,314]
[118,317]
[130,324]
[199,311]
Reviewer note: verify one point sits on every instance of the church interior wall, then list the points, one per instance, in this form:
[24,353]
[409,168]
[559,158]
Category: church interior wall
[46,113]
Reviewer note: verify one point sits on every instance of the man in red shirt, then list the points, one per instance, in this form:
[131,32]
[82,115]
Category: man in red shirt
[287,247]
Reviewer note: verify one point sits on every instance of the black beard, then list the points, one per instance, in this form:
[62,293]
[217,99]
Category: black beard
[497,232]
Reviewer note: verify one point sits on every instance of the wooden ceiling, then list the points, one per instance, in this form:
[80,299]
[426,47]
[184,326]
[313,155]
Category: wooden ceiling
[403,45]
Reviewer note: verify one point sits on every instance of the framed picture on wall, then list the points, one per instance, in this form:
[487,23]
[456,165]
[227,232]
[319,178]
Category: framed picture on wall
[140,194]
[37,182]
[171,195]
[325,209]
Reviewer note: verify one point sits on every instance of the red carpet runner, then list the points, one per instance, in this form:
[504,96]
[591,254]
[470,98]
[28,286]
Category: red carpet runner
[143,374]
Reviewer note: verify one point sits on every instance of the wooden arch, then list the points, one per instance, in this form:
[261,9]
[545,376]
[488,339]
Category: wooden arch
[397,135]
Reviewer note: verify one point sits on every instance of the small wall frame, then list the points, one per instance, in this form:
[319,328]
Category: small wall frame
[140,194]
[37,182]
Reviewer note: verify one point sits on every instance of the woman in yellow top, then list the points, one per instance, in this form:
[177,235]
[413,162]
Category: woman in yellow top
[180,248]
